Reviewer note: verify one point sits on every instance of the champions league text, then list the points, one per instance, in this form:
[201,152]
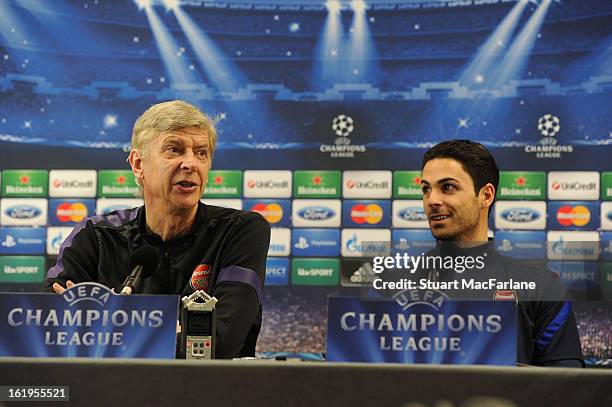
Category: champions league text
[84,318]
[418,323]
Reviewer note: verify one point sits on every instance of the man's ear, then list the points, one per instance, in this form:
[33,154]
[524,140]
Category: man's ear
[135,160]
[487,195]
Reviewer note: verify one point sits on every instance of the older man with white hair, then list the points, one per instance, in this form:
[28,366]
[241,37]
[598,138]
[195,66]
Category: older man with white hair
[219,250]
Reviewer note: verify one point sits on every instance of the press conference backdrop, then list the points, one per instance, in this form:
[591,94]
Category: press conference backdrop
[323,117]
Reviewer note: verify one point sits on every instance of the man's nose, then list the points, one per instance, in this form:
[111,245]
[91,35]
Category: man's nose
[433,199]
[189,160]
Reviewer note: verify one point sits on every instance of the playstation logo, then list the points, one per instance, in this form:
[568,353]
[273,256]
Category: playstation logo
[302,243]
[505,246]
[9,242]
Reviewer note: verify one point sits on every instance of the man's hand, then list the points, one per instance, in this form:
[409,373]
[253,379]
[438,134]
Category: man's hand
[59,289]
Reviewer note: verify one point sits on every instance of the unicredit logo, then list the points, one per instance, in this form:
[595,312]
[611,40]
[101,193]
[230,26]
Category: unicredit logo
[270,184]
[72,184]
[22,212]
[316,213]
[520,215]
[367,184]
[413,214]
[574,186]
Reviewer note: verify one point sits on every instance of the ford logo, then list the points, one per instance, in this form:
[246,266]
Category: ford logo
[316,213]
[22,212]
[520,215]
[413,214]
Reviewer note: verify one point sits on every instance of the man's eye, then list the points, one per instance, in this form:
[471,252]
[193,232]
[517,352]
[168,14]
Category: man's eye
[202,153]
[425,190]
[173,150]
[449,187]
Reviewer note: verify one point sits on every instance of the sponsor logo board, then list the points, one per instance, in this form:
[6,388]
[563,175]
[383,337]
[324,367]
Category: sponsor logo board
[55,237]
[267,184]
[413,242]
[64,212]
[407,185]
[530,215]
[22,269]
[276,212]
[280,242]
[277,271]
[574,245]
[521,245]
[23,211]
[571,215]
[117,184]
[224,184]
[366,213]
[606,246]
[573,185]
[317,184]
[522,185]
[409,214]
[606,215]
[315,242]
[72,183]
[356,273]
[606,186]
[366,184]
[315,271]
[25,183]
[576,275]
[365,242]
[22,240]
[316,213]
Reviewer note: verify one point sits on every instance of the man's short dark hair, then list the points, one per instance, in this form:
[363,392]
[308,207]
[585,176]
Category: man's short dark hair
[475,159]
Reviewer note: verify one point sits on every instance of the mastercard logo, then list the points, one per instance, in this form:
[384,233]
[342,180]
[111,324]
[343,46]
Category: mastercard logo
[71,212]
[578,215]
[370,214]
[271,212]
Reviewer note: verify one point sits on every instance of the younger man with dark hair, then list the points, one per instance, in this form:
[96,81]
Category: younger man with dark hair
[459,181]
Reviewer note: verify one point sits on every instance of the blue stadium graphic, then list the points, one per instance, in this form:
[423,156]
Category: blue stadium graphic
[77,73]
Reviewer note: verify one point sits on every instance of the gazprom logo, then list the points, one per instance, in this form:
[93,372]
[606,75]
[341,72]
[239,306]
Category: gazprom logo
[22,212]
[413,214]
[316,213]
[520,215]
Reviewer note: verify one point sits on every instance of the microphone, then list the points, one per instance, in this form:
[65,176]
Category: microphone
[143,264]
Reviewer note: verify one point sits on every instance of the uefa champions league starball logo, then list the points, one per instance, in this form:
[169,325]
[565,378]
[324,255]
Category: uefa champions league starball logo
[549,125]
[343,125]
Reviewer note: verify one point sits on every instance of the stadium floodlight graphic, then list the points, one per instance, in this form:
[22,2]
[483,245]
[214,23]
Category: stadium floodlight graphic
[219,69]
[168,47]
[327,60]
[519,52]
[486,59]
[363,57]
